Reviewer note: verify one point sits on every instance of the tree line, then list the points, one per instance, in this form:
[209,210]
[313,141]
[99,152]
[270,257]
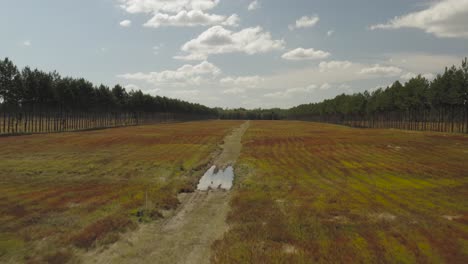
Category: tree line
[447,90]
[36,89]
[418,104]
[255,114]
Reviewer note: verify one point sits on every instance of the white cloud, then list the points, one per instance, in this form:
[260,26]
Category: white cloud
[243,81]
[190,19]
[126,23]
[180,13]
[429,76]
[302,93]
[384,71]
[234,91]
[421,62]
[330,32]
[276,95]
[444,19]
[293,92]
[26,43]
[254,5]
[305,54]
[411,75]
[408,76]
[325,86]
[305,22]
[218,40]
[166,6]
[334,65]
[185,75]
[306,89]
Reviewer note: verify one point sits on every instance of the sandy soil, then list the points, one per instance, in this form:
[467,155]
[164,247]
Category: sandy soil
[187,235]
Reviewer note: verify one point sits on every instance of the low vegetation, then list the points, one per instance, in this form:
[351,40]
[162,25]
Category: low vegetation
[317,193]
[64,192]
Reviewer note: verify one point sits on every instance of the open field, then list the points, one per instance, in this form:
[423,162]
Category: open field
[316,193]
[187,234]
[304,192]
[61,193]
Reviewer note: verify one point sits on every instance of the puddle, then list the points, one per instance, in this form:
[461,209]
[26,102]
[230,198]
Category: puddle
[221,179]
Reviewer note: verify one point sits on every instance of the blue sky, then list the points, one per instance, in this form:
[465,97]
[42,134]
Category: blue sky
[223,53]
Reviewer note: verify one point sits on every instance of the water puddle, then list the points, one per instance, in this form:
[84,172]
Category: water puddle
[217,179]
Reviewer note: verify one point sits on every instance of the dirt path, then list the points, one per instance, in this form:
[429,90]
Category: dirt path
[186,237]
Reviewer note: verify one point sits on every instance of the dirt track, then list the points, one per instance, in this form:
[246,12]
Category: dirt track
[185,237]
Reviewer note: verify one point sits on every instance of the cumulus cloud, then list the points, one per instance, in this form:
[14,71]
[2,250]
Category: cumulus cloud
[334,65]
[410,75]
[330,32]
[185,75]
[305,54]
[234,91]
[379,70]
[166,6]
[444,19]
[180,13]
[325,86]
[288,93]
[126,23]
[301,92]
[305,22]
[422,62]
[429,76]
[243,81]
[241,84]
[218,40]
[254,5]
[190,19]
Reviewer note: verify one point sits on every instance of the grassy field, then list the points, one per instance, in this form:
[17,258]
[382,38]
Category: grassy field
[316,193]
[63,192]
[304,192]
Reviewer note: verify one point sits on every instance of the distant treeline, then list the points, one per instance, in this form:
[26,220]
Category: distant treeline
[35,89]
[255,114]
[418,104]
[447,90]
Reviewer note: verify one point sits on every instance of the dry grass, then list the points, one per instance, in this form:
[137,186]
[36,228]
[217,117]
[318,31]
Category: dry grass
[79,190]
[316,193]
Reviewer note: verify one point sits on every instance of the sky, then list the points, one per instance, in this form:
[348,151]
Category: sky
[237,53]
